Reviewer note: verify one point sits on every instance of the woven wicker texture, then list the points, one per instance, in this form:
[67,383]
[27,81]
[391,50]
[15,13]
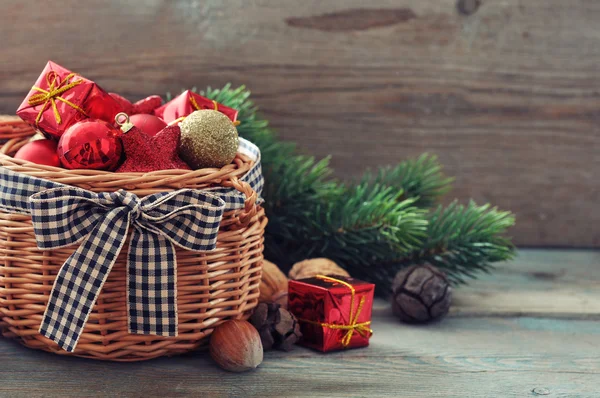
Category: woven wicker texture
[211,287]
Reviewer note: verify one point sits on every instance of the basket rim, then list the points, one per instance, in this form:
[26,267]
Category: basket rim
[19,133]
[14,143]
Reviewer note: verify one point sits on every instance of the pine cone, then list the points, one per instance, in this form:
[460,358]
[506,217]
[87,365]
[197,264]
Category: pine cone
[277,327]
[421,293]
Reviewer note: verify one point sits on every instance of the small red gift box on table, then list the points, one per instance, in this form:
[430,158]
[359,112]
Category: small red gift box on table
[334,311]
[60,98]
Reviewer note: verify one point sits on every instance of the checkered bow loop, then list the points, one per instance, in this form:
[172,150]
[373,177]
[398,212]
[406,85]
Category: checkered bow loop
[101,222]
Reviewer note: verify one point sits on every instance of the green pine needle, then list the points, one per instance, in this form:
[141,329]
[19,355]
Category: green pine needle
[464,240]
[421,178]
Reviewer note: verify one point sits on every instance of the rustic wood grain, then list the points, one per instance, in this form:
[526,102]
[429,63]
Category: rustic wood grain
[479,356]
[540,283]
[459,358]
[505,91]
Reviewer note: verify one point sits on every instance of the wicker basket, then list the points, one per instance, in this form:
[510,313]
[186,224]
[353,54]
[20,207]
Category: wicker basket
[212,287]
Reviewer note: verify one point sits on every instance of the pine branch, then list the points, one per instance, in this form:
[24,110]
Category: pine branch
[359,226]
[373,228]
[461,240]
[421,178]
[465,240]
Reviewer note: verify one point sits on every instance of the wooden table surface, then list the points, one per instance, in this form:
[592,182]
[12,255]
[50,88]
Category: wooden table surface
[530,329]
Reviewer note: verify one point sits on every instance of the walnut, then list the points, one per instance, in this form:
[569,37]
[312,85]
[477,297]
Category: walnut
[273,285]
[316,266]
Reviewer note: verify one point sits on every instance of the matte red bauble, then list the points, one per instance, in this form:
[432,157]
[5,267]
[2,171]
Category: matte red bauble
[147,105]
[90,144]
[149,124]
[40,152]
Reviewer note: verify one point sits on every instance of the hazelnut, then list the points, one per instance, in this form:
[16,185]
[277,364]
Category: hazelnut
[316,266]
[274,283]
[235,346]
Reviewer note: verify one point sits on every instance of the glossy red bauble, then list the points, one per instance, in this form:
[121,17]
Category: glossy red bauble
[90,144]
[149,124]
[40,152]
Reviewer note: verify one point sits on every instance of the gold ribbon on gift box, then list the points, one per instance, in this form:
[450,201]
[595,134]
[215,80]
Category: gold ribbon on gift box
[56,88]
[361,328]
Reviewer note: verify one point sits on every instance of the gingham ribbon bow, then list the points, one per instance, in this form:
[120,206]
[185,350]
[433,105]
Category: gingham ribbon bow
[101,222]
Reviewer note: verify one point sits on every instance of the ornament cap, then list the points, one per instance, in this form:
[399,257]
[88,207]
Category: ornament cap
[122,119]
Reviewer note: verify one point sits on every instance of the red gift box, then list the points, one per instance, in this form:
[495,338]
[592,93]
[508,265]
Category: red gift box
[188,102]
[334,311]
[60,98]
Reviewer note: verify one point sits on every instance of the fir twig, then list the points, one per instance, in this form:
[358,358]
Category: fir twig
[421,178]
[461,240]
[359,226]
[464,240]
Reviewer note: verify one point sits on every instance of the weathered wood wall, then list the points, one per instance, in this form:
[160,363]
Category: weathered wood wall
[507,92]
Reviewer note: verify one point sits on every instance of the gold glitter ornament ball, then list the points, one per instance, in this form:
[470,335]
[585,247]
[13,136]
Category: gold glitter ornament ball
[208,139]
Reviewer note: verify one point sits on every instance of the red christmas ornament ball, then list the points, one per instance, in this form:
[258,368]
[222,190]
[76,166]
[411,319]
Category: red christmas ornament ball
[149,124]
[90,144]
[40,152]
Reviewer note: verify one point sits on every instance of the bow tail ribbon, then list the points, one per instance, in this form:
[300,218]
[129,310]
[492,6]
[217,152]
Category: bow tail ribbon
[151,278]
[77,287]
[152,284]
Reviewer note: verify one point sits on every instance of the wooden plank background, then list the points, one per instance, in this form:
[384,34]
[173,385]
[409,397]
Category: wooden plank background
[505,91]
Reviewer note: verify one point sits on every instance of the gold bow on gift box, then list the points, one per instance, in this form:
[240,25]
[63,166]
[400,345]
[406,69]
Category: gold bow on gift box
[56,88]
